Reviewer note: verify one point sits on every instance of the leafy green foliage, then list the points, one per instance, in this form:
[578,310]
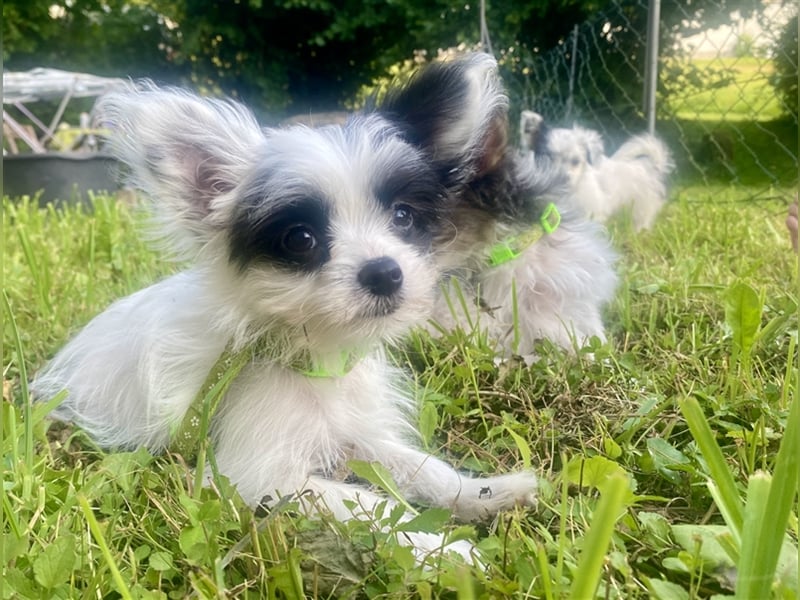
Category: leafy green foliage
[659,477]
[294,56]
[116,38]
[785,77]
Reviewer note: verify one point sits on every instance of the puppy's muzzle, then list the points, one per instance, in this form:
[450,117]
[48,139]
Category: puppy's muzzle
[381,276]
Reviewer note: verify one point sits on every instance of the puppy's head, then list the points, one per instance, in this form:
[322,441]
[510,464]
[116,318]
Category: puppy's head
[575,150]
[458,112]
[321,234]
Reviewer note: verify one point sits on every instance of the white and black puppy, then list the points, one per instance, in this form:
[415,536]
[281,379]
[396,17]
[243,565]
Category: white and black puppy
[633,177]
[523,265]
[311,247]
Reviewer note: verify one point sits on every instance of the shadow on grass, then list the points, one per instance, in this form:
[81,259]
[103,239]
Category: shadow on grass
[750,153]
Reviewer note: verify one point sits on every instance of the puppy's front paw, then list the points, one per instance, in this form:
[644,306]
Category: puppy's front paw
[483,498]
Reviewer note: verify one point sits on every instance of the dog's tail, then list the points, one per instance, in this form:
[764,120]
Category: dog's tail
[646,147]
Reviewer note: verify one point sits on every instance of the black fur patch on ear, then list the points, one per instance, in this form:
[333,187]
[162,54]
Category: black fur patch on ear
[541,144]
[466,136]
[456,113]
[430,102]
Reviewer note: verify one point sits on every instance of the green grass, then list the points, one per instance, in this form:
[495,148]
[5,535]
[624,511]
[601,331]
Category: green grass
[744,94]
[669,460]
[753,154]
[724,121]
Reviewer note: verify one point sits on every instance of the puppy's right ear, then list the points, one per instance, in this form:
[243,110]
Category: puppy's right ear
[187,153]
[457,112]
[532,131]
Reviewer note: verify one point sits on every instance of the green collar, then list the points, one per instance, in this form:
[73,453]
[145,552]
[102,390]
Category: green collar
[511,248]
[188,437]
[338,367]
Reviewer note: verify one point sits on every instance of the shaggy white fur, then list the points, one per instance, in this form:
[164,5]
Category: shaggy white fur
[312,243]
[633,177]
[556,285]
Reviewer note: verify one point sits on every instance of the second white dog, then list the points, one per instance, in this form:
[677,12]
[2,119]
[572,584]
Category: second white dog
[633,177]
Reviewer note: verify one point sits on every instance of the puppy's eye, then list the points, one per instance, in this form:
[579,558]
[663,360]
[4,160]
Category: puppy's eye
[402,217]
[575,162]
[299,240]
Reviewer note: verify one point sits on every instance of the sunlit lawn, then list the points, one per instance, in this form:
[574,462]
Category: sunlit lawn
[652,453]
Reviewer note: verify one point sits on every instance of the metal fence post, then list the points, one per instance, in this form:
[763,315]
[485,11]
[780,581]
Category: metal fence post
[651,64]
[572,69]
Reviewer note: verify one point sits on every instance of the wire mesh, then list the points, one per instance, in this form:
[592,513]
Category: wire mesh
[727,86]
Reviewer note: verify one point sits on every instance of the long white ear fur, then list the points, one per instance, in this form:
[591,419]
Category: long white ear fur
[187,153]
[456,111]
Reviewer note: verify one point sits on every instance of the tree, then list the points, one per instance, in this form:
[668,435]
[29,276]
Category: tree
[294,56]
[785,76]
[103,37]
[280,56]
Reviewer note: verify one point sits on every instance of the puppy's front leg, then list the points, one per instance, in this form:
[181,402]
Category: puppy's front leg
[429,480]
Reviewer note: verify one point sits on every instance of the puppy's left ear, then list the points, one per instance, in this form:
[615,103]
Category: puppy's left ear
[457,112]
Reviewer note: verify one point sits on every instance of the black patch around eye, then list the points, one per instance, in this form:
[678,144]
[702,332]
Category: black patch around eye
[413,198]
[294,235]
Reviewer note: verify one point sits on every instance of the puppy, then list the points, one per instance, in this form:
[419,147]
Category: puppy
[521,265]
[634,176]
[311,248]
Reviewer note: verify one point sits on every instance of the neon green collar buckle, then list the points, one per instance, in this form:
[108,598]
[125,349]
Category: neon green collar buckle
[511,248]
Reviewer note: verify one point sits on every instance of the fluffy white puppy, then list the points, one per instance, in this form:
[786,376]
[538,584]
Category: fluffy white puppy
[311,248]
[633,177]
[521,265]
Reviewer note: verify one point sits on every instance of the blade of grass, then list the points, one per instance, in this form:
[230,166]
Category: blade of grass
[379,475]
[10,517]
[596,541]
[749,563]
[544,568]
[515,312]
[727,496]
[97,534]
[466,586]
[771,505]
[788,377]
[563,542]
[522,446]
[23,382]
[38,273]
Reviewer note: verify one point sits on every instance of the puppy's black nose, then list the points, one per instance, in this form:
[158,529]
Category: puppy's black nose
[381,276]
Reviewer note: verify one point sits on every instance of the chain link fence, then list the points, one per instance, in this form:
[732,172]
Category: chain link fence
[726,99]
